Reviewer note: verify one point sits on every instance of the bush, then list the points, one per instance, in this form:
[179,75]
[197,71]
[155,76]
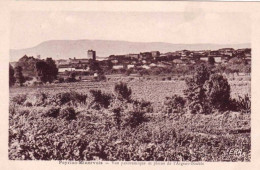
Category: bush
[143,105]
[52,112]
[68,113]
[40,98]
[19,99]
[135,118]
[77,97]
[70,80]
[61,79]
[117,117]
[73,97]
[100,99]
[28,104]
[195,93]
[242,104]
[174,104]
[37,99]
[123,92]
[202,74]
[217,90]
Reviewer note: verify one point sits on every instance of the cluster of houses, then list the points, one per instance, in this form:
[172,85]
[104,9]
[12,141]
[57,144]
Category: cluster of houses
[147,60]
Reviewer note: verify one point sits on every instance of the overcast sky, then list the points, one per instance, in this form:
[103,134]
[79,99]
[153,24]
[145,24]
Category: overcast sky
[28,29]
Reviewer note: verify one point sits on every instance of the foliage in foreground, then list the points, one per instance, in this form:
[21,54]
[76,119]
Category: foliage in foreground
[62,126]
[94,136]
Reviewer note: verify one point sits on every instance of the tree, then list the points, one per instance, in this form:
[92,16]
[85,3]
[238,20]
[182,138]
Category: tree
[19,75]
[11,76]
[46,71]
[28,65]
[195,93]
[211,60]
[109,64]
[217,90]
[94,66]
[42,71]
[52,69]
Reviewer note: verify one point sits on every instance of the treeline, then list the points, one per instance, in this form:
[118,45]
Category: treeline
[29,67]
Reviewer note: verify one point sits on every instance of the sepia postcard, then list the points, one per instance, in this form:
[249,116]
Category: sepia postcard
[130,85]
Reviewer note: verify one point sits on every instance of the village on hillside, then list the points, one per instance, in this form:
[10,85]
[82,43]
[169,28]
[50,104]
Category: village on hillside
[152,63]
[151,59]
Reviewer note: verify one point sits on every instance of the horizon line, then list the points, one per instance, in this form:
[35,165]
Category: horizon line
[130,42]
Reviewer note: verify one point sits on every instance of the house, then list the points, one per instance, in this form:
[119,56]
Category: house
[225,59]
[82,69]
[114,61]
[152,65]
[184,53]
[214,53]
[218,59]
[133,56]
[227,51]
[146,56]
[78,61]
[130,66]
[155,54]
[248,60]
[117,67]
[179,62]
[204,58]
[67,67]
[145,66]
[61,62]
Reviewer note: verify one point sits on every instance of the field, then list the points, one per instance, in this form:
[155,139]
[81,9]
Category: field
[94,134]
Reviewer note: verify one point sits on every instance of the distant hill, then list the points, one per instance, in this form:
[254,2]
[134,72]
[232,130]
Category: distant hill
[64,49]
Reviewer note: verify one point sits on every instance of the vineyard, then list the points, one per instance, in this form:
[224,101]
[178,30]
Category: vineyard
[91,121]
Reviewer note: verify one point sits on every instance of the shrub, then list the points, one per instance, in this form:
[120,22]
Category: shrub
[61,79]
[19,99]
[101,99]
[202,74]
[174,104]
[36,99]
[242,104]
[142,105]
[123,92]
[117,117]
[77,97]
[70,80]
[217,90]
[100,77]
[40,98]
[12,109]
[73,97]
[28,104]
[135,118]
[52,112]
[67,113]
[195,93]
